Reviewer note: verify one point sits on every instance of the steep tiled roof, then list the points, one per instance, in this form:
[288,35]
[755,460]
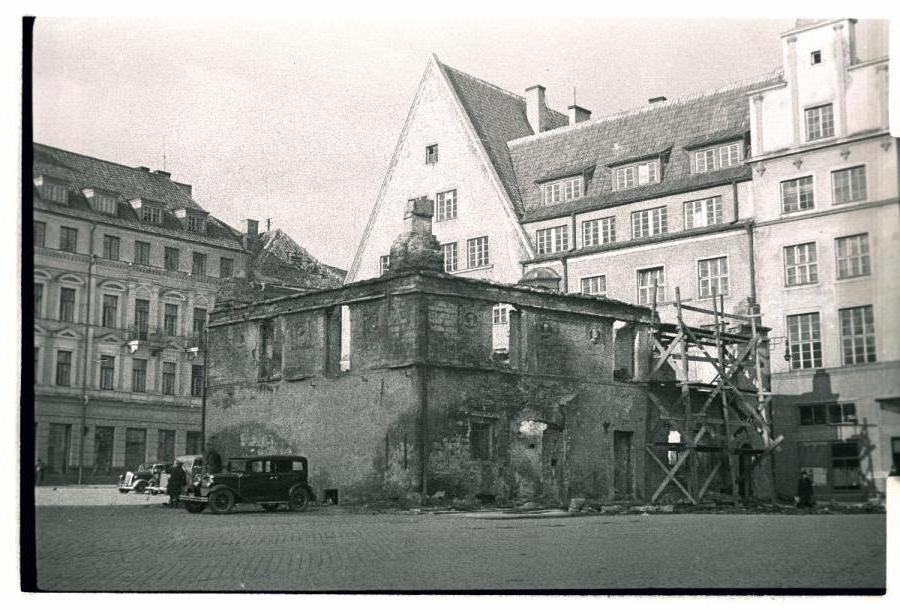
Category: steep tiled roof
[278,259]
[79,172]
[498,117]
[666,126]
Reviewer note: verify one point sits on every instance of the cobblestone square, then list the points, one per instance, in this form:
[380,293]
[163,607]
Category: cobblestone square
[96,540]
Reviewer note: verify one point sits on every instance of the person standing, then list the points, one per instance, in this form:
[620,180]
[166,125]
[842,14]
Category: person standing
[39,470]
[177,481]
[212,461]
[805,491]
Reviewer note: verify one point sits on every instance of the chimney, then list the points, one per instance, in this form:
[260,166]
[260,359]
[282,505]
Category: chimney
[536,108]
[656,100]
[578,114]
[251,227]
[416,248]
[143,168]
[160,172]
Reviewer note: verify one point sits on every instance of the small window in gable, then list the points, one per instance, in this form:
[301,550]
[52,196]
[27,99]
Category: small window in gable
[638,174]
[561,191]
[815,58]
[431,154]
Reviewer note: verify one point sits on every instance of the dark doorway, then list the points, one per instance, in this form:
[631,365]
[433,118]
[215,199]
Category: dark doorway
[623,477]
[59,447]
[103,449]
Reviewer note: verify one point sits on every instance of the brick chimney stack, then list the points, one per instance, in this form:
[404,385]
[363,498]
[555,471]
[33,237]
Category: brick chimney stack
[416,248]
[578,114]
[536,108]
[251,233]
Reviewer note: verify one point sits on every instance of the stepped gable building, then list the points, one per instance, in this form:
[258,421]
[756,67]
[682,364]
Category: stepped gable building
[127,267]
[778,195]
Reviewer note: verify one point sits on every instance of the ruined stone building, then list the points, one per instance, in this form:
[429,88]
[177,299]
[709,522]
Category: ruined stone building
[778,194]
[429,400]
[127,267]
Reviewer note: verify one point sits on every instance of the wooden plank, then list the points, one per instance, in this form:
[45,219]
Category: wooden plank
[709,479]
[669,474]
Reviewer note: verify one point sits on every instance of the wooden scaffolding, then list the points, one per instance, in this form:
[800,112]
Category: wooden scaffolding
[720,406]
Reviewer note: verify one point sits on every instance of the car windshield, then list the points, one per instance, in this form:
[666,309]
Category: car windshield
[237,466]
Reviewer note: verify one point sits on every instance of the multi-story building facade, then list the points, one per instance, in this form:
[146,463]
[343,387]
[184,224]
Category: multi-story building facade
[825,186]
[127,267]
[710,194]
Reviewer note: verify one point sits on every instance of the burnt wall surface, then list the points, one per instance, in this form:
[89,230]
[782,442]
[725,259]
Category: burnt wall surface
[423,400]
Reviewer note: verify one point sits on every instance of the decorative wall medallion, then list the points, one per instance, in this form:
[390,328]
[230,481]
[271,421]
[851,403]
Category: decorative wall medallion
[761,169]
[595,335]
[798,163]
[471,320]
[886,145]
[845,153]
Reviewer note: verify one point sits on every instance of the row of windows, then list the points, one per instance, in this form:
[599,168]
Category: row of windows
[801,265]
[712,279]
[644,223]
[834,413]
[68,242]
[110,312]
[107,370]
[857,335]
[847,185]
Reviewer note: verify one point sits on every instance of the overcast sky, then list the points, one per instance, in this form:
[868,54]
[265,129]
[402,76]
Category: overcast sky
[297,120]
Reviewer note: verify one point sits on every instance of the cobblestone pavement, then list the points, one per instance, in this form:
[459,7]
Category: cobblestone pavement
[100,541]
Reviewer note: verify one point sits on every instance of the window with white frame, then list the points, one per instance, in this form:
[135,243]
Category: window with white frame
[712,276]
[639,174]
[560,191]
[598,231]
[195,224]
[858,334]
[478,252]
[107,372]
[647,278]
[446,206]
[431,154]
[104,203]
[384,264]
[151,214]
[645,223]
[804,341]
[500,314]
[554,239]
[852,254]
[451,257]
[702,212]
[797,195]
[800,264]
[717,157]
[849,184]
[595,285]
[819,122]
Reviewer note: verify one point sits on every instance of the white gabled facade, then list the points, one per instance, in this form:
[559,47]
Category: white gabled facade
[483,208]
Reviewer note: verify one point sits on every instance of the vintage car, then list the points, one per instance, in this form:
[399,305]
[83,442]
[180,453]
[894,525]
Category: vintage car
[271,481]
[192,465]
[142,477]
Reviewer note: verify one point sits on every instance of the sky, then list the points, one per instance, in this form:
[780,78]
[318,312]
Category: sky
[297,120]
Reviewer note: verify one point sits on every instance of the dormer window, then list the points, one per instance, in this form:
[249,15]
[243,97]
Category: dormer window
[717,157]
[561,191]
[638,174]
[195,224]
[52,189]
[101,201]
[151,214]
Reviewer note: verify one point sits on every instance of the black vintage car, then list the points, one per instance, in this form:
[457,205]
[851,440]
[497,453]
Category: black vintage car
[142,477]
[271,481]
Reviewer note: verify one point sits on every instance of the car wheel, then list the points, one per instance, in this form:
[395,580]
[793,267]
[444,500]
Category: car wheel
[269,508]
[221,501]
[299,500]
[140,487]
[194,507]
[124,491]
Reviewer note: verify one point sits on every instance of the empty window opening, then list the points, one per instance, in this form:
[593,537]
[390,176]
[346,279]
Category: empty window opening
[500,329]
[331,496]
[623,344]
[269,349]
[346,321]
[481,440]
[674,437]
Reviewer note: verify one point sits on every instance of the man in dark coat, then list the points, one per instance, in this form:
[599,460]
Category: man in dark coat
[212,461]
[177,481]
[805,491]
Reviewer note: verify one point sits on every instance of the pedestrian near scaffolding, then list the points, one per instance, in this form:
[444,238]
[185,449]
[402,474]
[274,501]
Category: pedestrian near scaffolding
[805,491]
